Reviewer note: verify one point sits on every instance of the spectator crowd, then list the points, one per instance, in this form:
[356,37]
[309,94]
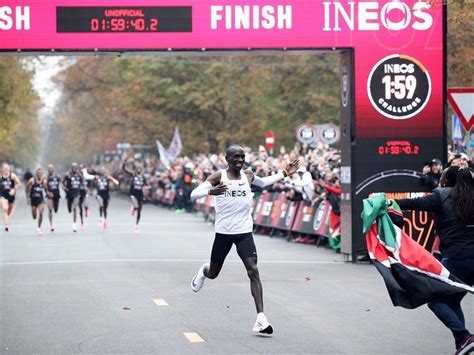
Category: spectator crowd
[319,168]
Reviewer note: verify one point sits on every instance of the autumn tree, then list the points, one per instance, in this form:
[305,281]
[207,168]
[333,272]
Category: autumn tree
[19,131]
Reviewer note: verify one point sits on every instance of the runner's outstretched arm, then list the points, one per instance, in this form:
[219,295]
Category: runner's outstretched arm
[270,180]
[127,169]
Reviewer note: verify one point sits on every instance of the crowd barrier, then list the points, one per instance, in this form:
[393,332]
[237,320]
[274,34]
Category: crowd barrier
[274,213]
[274,210]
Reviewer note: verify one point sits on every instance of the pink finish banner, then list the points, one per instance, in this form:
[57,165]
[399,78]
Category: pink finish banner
[398,44]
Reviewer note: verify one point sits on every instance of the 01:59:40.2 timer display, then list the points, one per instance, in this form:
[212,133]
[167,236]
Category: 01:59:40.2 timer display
[123,25]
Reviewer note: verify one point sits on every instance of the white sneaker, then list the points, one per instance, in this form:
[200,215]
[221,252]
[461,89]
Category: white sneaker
[261,325]
[74,227]
[198,280]
[136,230]
[39,231]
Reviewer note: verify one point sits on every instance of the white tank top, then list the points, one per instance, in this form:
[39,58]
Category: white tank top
[233,209]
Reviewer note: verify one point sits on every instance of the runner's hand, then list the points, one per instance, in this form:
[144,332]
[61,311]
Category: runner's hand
[28,201]
[12,192]
[292,167]
[219,189]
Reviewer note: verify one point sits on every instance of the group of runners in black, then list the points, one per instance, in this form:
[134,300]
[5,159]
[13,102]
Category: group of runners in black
[78,183]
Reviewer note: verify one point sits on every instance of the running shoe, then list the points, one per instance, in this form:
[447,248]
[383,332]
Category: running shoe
[136,230]
[82,226]
[198,280]
[101,223]
[74,227]
[132,211]
[7,229]
[467,346]
[104,224]
[261,325]
[51,228]
[39,231]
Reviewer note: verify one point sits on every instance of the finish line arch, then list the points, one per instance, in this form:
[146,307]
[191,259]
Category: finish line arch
[393,65]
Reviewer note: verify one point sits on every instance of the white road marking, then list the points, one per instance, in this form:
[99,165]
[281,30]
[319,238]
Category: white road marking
[160,302]
[194,337]
[52,262]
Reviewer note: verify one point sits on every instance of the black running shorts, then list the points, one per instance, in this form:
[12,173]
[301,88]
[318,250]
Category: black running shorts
[56,195]
[137,194]
[223,243]
[104,195]
[8,197]
[36,201]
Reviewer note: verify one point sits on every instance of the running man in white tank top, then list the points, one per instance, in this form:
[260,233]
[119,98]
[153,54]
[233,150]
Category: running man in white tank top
[234,224]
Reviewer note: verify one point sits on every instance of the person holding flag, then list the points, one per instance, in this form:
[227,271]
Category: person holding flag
[453,210]
[412,275]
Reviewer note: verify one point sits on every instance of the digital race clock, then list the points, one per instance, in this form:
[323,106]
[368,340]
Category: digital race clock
[396,147]
[123,19]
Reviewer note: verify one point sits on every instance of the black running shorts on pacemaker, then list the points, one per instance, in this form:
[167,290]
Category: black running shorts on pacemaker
[223,243]
[36,201]
[8,197]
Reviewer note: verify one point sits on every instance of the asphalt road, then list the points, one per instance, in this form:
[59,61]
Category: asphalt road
[111,291]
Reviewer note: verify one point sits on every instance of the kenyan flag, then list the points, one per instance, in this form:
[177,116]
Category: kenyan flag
[412,275]
[334,230]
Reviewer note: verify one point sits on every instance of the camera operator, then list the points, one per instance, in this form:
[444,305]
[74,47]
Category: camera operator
[461,160]
[431,174]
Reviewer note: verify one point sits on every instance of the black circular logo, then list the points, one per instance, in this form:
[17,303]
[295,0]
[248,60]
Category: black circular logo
[399,87]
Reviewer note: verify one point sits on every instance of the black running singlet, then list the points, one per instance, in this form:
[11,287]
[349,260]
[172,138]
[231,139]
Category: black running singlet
[137,184]
[102,186]
[53,185]
[37,191]
[73,183]
[6,184]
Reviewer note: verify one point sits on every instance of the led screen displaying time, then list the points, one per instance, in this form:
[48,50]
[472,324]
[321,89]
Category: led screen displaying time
[396,147]
[74,19]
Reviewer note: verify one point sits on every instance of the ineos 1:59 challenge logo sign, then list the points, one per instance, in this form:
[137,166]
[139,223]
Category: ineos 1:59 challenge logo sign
[399,86]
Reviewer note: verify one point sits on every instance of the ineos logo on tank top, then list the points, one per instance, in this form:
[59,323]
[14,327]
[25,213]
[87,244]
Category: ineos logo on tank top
[138,182]
[7,183]
[236,193]
[234,207]
[75,182]
[102,184]
[53,183]
[37,190]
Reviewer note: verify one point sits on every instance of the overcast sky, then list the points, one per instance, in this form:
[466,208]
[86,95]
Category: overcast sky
[45,69]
